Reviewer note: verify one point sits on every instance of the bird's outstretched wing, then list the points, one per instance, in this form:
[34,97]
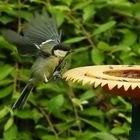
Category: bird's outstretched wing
[42,31]
[23,44]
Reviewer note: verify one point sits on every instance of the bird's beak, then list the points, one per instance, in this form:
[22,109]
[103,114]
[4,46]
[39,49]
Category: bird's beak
[71,51]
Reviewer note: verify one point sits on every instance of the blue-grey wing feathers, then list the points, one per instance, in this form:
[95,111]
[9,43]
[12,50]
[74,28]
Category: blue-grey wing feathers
[23,44]
[41,29]
[40,33]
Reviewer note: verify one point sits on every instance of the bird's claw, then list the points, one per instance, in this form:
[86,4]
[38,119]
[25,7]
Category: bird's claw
[55,77]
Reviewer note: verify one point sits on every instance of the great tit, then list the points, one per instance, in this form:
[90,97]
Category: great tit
[40,38]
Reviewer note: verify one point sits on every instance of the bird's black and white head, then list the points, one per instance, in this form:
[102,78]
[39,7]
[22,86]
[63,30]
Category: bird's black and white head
[61,51]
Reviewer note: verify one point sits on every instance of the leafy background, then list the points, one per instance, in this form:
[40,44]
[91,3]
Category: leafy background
[100,32]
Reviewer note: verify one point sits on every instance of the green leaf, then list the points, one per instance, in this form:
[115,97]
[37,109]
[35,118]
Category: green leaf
[129,38]
[80,5]
[68,2]
[99,126]
[128,119]
[24,114]
[37,1]
[7,45]
[36,115]
[71,138]
[60,17]
[4,112]
[56,103]
[25,15]
[5,71]
[5,82]
[51,87]
[127,105]
[6,19]
[5,91]
[49,137]
[25,135]
[86,135]
[64,126]
[97,56]
[25,74]
[123,7]
[112,112]
[121,47]
[105,136]
[74,40]
[87,95]
[127,58]
[92,111]
[62,7]
[9,123]
[118,130]
[104,46]
[88,12]
[11,133]
[78,103]
[41,127]
[104,27]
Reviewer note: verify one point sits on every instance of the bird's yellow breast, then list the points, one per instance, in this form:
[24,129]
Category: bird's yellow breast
[44,66]
[52,64]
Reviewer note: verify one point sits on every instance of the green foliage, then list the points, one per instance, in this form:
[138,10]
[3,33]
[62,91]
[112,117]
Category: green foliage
[100,32]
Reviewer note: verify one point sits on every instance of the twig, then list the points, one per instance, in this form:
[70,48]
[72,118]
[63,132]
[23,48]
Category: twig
[88,36]
[16,78]
[19,19]
[86,33]
[49,121]
[16,64]
[71,95]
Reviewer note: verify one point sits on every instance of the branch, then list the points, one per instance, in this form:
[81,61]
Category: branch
[71,95]
[85,32]
[49,121]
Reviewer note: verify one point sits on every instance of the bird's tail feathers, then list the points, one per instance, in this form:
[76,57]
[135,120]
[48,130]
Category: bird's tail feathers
[23,97]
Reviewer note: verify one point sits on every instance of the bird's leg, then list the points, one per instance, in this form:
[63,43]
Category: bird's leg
[56,76]
[45,78]
[59,71]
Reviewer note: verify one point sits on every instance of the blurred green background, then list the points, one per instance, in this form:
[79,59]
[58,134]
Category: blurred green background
[99,32]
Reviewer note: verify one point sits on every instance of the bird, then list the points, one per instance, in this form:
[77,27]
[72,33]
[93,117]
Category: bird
[40,38]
